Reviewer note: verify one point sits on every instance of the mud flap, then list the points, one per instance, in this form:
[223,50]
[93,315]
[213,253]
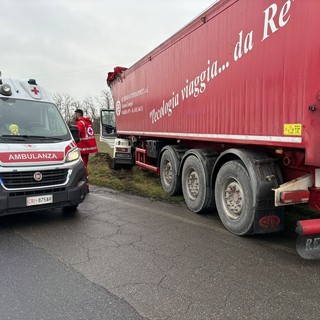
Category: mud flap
[267,221]
[308,241]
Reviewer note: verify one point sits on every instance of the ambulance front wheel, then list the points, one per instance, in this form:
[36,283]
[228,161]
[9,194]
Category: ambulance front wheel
[70,210]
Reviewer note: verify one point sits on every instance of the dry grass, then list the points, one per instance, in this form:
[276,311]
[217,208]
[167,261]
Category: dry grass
[135,181]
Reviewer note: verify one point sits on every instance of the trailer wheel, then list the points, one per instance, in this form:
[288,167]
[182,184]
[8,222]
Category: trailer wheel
[234,198]
[196,192]
[170,180]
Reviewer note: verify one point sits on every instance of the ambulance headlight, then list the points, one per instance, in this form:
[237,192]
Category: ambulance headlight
[73,155]
[5,90]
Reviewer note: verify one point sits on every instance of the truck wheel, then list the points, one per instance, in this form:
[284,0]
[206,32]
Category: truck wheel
[196,192]
[234,198]
[114,166]
[170,180]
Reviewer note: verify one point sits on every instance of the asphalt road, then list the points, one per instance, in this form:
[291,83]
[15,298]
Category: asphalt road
[124,257]
[36,285]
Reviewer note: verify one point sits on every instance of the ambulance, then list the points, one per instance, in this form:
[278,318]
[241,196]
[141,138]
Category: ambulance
[40,164]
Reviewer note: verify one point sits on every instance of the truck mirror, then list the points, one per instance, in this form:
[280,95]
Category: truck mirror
[75,133]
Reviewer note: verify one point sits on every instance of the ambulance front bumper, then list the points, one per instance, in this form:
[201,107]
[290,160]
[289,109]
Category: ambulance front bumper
[50,196]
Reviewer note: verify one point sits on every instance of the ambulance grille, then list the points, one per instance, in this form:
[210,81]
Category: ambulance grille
[25,179]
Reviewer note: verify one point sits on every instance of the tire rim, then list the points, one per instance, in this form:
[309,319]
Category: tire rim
[233,199]
[168,173]
[193,184]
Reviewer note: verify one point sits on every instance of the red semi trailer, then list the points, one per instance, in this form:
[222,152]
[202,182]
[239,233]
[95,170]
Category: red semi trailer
[227,111]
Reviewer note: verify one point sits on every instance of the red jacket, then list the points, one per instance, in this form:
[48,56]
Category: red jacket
[87,143]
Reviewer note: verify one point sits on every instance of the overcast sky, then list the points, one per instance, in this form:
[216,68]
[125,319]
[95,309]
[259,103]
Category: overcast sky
[70,45]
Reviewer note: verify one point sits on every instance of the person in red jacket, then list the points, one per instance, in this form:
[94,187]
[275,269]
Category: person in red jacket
[87,143]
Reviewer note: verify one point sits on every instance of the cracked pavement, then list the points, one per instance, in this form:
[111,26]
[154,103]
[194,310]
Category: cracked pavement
[169,263]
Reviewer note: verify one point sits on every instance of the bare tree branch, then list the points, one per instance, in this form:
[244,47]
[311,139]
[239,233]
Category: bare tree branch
[90,105]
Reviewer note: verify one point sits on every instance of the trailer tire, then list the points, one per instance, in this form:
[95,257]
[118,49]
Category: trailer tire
[196,191]
[234,198]
[170,180]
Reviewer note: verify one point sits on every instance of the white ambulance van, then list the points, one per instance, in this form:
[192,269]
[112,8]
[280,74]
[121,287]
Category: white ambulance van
[40,164]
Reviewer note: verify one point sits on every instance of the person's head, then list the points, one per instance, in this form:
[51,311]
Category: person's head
[78,114]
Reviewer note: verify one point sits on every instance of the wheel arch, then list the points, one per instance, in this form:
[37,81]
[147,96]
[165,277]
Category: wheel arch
[176,150]
[264,173]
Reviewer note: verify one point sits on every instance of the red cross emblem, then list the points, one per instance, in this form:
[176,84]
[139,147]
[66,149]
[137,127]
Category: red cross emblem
[90,131]
[35,90]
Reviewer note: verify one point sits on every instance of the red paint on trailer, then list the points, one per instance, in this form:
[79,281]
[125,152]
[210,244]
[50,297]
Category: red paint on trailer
[237,74]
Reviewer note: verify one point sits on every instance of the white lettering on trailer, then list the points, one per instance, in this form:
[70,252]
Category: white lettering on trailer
[273,19]
[193,88]
[243,47]
[269,17]
[312,244]
[134,94]
[165,109]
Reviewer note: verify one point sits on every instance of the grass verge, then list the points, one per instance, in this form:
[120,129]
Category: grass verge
[135,181]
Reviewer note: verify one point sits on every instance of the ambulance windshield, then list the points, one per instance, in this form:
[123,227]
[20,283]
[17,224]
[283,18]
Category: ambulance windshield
[31,119]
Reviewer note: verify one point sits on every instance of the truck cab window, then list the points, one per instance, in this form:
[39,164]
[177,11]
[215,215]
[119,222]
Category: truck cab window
[108,123]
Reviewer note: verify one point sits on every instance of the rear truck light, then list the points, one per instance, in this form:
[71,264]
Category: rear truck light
[298,196]
[294,191]
[308,241]
[121,149]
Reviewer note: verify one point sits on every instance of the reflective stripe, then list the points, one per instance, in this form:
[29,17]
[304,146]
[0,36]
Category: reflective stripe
[87,138]
[86,149]
[216,136]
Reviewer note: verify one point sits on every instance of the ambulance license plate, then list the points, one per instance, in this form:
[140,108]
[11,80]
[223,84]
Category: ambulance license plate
[39,200]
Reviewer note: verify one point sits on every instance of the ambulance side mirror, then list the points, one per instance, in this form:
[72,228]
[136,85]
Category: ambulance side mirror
[75,133]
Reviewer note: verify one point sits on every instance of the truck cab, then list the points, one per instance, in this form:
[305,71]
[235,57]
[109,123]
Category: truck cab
[40,164]
[122,148]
